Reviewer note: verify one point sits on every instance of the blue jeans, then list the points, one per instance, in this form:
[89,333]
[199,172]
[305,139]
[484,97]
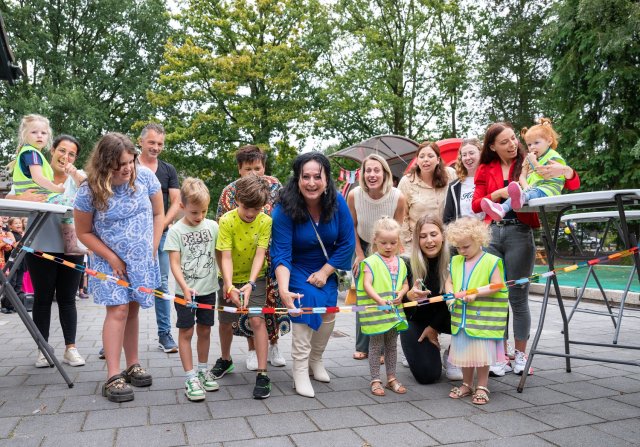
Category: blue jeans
[163,307]
[515,245]
[533,193]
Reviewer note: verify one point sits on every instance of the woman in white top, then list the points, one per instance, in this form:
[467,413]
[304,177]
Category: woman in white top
[375,197]
[460,192]
[425,188]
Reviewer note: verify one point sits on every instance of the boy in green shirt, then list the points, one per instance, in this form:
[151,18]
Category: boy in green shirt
[191,245]
[243,242]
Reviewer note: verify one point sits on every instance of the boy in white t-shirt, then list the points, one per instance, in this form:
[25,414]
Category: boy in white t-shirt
[191,245]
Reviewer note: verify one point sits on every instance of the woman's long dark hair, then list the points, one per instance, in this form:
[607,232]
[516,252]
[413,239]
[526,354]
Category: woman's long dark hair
[487,156]
[291,199]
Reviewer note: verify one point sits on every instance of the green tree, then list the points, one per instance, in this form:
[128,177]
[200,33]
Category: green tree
[514,63]
[88,65]
[240,72]
[594,87]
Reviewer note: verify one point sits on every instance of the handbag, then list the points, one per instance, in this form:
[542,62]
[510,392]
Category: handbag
[341,275]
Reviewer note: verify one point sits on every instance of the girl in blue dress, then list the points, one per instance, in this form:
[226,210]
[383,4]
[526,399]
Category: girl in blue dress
[312,236]
[119,217]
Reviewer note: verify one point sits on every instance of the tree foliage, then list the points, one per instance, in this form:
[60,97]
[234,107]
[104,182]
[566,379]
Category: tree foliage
[239,72]
[88,65]
[594,88]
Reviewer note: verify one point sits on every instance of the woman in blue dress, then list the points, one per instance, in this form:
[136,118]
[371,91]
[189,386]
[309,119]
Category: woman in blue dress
[115,210]
[312,236]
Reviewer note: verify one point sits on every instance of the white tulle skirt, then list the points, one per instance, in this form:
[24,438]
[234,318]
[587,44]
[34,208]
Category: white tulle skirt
[468,352]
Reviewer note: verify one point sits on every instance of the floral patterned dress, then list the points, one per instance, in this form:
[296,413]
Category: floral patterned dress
[126,227]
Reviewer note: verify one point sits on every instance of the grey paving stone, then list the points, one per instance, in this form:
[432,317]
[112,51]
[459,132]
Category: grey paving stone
[560,416]
[7,425]
[631,399]
[278,441]
[599,371]
[447,408]
[223,430]
[524,441]
[13,380]
[152,398]
[164,435]
[609,409]
[62,390]
[583,437]
[280,404]
[618,383]
[403,434]
[344,399]
[333,438]
[451,430]
[344,417]
[561,376]
[122,417]
[22,441]
[541,396]
[192,411]
[395,412]
[91,438]
[349,383]
[509,423]
[584,390]
[237,408]
[87,403]
[277,425]
[48,424]
[27,407]
[628,429]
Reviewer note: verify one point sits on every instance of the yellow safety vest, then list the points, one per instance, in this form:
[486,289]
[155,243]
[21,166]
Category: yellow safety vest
[486,316]
[22,183]
[374,321]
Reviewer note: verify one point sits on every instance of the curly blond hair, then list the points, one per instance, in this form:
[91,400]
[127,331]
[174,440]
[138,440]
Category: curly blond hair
[543,129]
[468,227]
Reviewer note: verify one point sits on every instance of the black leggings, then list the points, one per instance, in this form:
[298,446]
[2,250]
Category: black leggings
[48,278]
[423,357]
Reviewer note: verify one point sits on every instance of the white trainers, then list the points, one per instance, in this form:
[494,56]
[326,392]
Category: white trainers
[404,361]
[451,371]
[252,361]
[511,352]
[520,363]
[42,361]
[499,369]
[72,357]
[275,358]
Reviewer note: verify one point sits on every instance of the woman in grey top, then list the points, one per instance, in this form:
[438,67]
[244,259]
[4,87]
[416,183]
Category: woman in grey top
[374,198]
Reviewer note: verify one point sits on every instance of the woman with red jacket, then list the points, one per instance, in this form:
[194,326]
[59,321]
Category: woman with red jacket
[512,238]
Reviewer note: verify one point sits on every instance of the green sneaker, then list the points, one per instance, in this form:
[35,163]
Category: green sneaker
[221,368]
[193,390]
[262,390]
[207,381]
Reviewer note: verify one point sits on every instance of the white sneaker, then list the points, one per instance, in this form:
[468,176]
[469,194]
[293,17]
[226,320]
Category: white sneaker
[511,352]
[499,369]
[275,358]
[72,357]
[520,362]
[451,371]
[42,361]
[404,361]
[252,361]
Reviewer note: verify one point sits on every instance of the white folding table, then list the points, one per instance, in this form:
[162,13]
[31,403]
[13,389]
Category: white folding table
[617,201]
[37,213]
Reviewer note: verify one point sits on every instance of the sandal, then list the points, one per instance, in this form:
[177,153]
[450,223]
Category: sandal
[376,388]
[116,389]
[396,386]
[481,397]
[360,355]
[457,393]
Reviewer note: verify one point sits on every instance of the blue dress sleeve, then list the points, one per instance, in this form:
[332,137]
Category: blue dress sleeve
[281,239]
[346,241]
[84,199]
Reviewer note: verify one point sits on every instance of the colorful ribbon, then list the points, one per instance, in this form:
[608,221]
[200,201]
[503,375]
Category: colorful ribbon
[334,309]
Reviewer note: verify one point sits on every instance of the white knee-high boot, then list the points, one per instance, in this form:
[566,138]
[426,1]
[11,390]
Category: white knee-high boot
[300,351]
[319,342]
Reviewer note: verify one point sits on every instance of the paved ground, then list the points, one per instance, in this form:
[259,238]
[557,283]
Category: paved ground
[595,405]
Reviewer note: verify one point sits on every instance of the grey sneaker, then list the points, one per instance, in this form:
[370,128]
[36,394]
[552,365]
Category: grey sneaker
[166,343]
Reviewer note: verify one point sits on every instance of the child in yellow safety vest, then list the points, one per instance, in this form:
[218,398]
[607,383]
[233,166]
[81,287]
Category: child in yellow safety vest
[383,281]
[478,320]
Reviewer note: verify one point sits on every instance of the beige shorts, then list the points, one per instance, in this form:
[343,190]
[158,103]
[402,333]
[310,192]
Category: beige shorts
[258,298]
